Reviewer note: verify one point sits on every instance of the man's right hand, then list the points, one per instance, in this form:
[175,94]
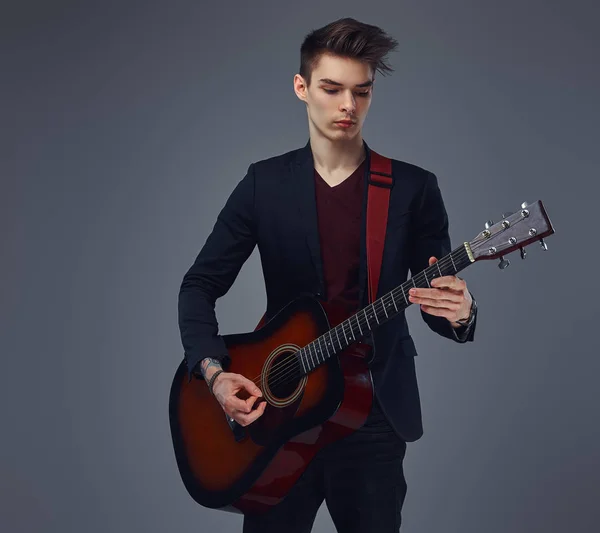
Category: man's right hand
[226,387]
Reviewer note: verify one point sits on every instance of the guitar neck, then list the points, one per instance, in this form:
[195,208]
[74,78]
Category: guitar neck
[380,311]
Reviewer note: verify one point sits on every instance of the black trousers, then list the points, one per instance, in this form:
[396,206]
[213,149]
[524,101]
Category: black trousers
[361,479]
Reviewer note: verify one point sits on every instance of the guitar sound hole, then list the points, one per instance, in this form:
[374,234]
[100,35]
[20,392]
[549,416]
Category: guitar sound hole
[284,375]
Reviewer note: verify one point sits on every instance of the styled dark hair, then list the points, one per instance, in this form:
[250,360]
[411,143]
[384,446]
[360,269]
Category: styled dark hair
[347,37]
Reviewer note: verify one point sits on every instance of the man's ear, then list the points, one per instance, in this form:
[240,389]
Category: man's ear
[300,87]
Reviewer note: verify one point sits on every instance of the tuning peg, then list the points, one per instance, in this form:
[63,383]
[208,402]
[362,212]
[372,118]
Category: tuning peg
[543,244]
[503,263]
[524,205]
[489,224]
[523,253]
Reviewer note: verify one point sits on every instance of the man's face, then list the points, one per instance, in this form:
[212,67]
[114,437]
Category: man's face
[340,89]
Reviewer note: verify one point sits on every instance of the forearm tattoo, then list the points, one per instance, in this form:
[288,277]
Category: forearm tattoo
[209,362]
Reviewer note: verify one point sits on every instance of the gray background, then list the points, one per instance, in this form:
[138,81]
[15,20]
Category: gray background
[125,126]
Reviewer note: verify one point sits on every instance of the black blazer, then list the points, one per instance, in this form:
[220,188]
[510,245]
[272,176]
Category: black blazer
[274,207]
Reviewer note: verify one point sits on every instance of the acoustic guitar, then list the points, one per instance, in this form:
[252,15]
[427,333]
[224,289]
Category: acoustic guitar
[312,367]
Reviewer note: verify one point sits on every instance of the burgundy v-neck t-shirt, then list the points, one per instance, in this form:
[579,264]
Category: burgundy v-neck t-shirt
[339,215]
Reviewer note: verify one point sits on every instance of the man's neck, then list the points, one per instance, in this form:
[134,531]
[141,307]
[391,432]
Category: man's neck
[336,157]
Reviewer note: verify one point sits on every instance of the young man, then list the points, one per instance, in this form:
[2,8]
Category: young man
[306,212]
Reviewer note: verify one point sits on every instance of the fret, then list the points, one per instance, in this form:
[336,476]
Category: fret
[302,361]
[311,358]
[320,339]
[358,323]
[323,347]
[344,332]
[343,326]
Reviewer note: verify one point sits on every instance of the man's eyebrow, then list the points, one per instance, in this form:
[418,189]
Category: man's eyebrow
[331,82]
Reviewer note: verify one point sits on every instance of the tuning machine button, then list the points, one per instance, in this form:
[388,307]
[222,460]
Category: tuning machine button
[543,244]
[503,263]
[523,253]
[524,205]
[489,224]
[506,223]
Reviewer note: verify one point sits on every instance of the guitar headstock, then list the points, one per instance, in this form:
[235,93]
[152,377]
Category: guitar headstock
[515,231]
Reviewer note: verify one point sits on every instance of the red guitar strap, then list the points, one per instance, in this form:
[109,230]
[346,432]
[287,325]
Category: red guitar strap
[378,198]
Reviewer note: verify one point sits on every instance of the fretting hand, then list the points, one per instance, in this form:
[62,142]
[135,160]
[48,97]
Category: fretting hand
[448,297]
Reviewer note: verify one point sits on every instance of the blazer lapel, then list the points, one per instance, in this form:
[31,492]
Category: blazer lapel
[302,169]
[362,269]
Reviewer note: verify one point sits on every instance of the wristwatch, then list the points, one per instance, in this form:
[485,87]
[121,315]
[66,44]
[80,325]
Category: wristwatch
[469,320]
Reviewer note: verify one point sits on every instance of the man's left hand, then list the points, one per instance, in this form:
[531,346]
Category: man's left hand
[448,297]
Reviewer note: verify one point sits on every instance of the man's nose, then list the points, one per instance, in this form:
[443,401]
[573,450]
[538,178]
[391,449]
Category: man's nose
[349,104]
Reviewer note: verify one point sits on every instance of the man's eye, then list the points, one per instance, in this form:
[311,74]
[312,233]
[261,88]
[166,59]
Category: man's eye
[333,91]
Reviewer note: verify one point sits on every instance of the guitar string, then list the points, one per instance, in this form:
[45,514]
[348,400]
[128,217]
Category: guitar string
[290,364]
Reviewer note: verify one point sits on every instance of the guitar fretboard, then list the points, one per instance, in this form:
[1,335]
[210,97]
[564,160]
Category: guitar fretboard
[380,311]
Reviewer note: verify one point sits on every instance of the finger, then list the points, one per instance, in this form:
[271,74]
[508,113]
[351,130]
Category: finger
[250,401]
[432,260]
[439,304]
[451,282]
[250,386]
[233,403]
[438,311]
[429,295]
[245,419]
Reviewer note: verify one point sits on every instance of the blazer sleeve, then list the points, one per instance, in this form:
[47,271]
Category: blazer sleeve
[432,239]
[213,272]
